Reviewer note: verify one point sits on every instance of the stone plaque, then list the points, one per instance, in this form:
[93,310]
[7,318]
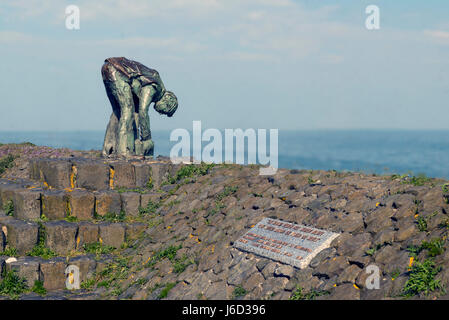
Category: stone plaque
[286,242]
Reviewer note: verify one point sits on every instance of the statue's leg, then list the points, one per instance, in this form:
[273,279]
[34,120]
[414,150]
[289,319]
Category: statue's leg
[111,135]
[145,132]
[119,92]
[122,92]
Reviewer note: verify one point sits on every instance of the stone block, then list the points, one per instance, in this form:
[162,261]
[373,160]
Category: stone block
[133,230]
[124,175]
[92,175]
[7,190]
[112,234]
[81,204]
[2,265]
[160,173]
[145,198]
[143,175]
[27,268]
[174,168]
[34,169]
[107,202]
[21,235]
[55,172]
[54,204]
[27,204]
[60,236]
[130,203]
[87,233]
[53,273]
[2,241]
[87,266]
[3,229]
[103,262]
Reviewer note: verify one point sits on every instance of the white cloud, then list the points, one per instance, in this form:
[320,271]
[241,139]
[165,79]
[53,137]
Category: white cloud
[439,36]
[173,44]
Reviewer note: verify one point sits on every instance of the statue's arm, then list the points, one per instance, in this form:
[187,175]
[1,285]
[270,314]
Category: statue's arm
[146,97]
[147,94]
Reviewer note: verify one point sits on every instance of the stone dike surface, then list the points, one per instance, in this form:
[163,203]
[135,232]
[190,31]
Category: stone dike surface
[148,229]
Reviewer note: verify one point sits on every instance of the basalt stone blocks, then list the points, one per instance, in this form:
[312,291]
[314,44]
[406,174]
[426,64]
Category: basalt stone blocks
[2,240]
[34,166]
[143,175]
[7,190]
[103,262]
[20,235]
[134,230]
[146,198]
[27,204]
[27,268]
[160,173]
[60,236]
[130,203]
[87,266]
[53,273]
[112,234]
[54,204]
[124,175]
[2,265]
[91,175]
[87,233]
[107,202]
[81,204]
[55,172]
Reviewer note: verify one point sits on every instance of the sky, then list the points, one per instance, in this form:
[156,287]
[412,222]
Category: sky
[274,64]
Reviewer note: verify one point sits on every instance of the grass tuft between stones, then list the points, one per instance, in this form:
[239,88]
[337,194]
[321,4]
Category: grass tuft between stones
[422,279]
[300,294]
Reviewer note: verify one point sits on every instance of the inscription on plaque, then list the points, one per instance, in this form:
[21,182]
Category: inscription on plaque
[286,242]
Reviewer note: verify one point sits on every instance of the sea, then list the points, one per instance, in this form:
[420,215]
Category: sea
[369,151]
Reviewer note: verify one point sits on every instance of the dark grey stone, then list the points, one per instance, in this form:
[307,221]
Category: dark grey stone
[124,175]
[112,234]
[54,204]
[27,268]
[130,203]
[21,235]
[60,236]
[27,204]
[92,175]
[107,202]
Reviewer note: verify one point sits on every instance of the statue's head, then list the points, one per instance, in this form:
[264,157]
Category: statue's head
[167,104]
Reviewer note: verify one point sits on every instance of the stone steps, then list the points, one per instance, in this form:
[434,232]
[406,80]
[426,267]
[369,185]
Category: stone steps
[54,272]
[64,206]
[31,201]
[100,174]
[63,237]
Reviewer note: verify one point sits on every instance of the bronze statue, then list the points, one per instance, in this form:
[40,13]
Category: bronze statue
[131,88]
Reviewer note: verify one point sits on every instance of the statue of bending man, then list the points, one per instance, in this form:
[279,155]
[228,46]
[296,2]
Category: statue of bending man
[131,87]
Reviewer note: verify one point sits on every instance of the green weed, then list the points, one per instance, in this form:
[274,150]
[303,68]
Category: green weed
[298,294]
[238,292]
[38,288]
[6,163]
[422,279]
[166,290]
[12,285]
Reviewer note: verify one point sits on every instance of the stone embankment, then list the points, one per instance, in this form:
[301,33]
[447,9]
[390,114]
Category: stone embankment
[141,229]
